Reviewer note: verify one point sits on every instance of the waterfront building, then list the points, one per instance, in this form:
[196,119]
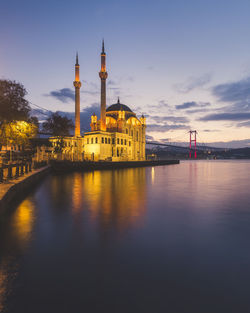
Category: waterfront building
[119,135]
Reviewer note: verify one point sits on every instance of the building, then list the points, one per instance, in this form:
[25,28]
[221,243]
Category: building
[117,136]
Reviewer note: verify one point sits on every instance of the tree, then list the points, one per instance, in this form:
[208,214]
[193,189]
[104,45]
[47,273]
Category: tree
[16,124]
[17,133]
[58,125]
[13,105]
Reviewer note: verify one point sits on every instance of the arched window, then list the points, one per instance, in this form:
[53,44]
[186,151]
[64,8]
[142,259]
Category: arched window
[96,140]
[92,140]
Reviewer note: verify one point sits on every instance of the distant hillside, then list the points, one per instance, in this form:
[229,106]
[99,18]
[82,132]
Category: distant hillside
[202,153]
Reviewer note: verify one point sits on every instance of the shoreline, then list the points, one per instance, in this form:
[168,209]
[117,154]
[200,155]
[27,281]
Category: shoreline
[11,190]
[68,166]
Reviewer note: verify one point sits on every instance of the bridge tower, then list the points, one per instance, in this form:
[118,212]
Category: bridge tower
[192,143]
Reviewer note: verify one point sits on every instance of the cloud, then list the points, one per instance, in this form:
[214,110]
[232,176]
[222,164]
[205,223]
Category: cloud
[226,117]
[40,114]
[244,124]
[193,83]
[111,83]
[85,115]
[233,92]
[149,137]
[64,95]
[161,105]
[165,127]
[210,130]
[230,144]
[236,93]
[192,104]
[197,111]
[174,119]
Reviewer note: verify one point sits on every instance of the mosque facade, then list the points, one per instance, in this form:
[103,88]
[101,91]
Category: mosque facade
[119,135]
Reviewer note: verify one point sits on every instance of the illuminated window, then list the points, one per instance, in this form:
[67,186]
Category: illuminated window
[96,140]
[92,140]
[105,139]
[129,143]
[121,141]
[102,140]
[75,144]
[109,140]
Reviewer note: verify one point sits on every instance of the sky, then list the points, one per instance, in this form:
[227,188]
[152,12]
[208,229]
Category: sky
[185,65]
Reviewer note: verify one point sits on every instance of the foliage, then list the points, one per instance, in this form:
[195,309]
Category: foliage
[16,125]
[17,133]
[13,105]
[58,125]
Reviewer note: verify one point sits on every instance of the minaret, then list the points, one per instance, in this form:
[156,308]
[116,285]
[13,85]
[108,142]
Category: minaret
[77,85]
[103,75]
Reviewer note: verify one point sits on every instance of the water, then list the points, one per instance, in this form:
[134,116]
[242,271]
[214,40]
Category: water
[163,239]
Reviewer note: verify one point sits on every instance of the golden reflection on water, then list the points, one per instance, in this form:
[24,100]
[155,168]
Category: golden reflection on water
[153,175]
[22,221]
[116,197]
[19,230]
[77,193]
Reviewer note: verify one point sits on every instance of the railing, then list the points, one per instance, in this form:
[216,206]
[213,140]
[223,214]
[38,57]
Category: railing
[15,170]
[11,171]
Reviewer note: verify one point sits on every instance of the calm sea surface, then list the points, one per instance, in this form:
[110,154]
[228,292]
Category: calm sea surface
[162,239]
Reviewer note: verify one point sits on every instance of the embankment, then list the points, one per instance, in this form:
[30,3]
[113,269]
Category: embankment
[64,166]
[13,189]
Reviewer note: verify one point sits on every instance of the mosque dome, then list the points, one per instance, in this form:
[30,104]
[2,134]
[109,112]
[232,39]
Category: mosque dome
[118,107]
